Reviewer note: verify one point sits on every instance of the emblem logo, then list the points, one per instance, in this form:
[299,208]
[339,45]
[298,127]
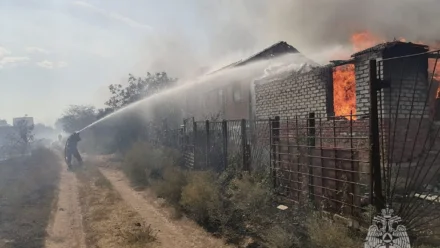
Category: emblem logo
[387,232]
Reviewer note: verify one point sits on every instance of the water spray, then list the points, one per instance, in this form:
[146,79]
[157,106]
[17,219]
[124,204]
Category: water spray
[248,72]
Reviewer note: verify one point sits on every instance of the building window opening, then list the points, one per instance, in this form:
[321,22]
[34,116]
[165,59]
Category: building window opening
[344,91]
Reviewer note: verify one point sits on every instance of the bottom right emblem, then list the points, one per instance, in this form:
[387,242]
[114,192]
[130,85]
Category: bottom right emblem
[387,232]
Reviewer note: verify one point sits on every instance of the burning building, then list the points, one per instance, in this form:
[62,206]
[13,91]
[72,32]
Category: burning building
[339,90]
[406,98]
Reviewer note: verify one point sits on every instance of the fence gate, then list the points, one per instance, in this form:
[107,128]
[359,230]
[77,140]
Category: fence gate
[405,136]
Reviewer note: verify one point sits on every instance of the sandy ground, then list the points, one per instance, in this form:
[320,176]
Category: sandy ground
[65,229]
[171,233]
[82,196]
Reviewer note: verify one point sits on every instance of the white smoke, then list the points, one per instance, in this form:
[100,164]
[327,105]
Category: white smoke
[319,29]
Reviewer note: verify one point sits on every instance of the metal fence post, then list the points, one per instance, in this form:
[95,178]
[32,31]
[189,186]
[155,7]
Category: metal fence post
[225,142]
[375,170]
[208,145]
[311,142]
[244,145]
[195,143]
[274,143]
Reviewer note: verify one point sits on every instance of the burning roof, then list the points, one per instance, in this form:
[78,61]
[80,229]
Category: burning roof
[276,50]
[388,45]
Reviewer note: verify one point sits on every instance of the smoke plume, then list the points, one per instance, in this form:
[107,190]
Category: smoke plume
[319,28]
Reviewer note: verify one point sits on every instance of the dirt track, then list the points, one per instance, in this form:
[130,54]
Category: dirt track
[172,233]
[74,223]
[65,228]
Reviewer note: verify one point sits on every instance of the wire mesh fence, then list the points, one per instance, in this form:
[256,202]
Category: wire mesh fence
[321,160]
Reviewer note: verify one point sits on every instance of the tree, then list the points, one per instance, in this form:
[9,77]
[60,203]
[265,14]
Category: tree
[132,125]
[104,112]
[76,117]
[138,88]
[17,140]
[42,131]
[25,132]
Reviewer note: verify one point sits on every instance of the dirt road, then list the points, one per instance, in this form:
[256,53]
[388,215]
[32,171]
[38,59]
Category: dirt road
[65,228]
[171,233]
[98,208]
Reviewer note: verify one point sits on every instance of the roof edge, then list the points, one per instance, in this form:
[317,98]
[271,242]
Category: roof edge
[385,45]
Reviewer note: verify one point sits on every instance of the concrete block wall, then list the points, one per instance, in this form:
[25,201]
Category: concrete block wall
[295,95]
[362,68]
[404,104]
[408,80]
[408,95]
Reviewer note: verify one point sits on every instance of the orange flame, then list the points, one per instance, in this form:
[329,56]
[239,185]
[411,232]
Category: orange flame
[344,90]
[344,84]
[363,40]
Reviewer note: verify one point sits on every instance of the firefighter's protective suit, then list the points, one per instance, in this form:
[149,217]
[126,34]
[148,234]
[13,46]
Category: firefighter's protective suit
[72,149]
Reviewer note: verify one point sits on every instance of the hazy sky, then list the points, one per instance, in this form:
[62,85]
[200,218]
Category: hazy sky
[59,52]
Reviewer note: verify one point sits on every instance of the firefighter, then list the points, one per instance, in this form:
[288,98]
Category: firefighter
[72,149]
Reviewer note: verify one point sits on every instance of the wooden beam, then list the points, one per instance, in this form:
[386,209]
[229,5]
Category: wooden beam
[434,55]
[342,62]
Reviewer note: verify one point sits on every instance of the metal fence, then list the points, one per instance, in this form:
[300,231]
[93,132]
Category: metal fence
[217,144]
[310,158]
[321,160]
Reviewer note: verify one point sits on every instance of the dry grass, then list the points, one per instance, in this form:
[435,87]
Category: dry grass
[200,195]
[138,234]
[237,206]
[108,221]
[27,193]
[324,233]
[171,185]
[144,163]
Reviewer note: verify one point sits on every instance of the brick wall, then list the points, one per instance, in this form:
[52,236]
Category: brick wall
[407,76]
[362,68]
[404,104]
[407,96]
[295,95]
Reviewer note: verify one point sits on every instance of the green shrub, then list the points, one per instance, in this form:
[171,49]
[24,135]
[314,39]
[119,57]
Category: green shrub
[171,185]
